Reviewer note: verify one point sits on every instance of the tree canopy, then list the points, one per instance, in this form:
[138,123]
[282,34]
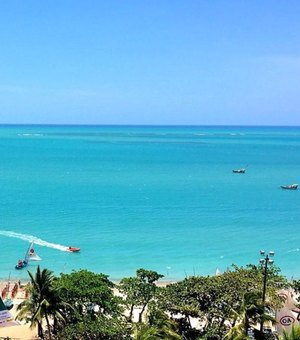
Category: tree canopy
[84,305]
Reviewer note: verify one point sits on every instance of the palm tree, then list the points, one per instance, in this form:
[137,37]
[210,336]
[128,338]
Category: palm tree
[249,314]
[42,303]
[294,333]
[158,326]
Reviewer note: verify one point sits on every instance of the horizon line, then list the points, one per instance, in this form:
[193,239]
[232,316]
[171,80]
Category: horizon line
[143,125]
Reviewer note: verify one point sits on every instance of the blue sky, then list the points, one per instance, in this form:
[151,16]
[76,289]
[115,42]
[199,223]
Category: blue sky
[150,62]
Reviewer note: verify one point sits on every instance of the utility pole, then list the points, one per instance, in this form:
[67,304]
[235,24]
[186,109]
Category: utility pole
[265,261]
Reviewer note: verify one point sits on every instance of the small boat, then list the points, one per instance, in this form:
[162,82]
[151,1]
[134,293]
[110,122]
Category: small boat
[29,256]
[73,249]
[21,264]
[290,187]
[239,171]
[218,272]
[32,255]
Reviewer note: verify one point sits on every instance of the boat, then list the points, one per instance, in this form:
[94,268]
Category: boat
[29,256]
[290,187]
[239,171]
[218,272]
[73,249]
[21,264]
[32,255]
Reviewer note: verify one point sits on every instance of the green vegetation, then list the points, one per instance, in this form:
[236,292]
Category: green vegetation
[84,305]
[139,290]
[294,334]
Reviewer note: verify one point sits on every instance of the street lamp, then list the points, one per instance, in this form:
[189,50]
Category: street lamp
[264,262]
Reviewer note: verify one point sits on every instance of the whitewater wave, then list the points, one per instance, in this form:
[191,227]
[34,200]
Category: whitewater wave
[30,134]
[293,250]
[31,238]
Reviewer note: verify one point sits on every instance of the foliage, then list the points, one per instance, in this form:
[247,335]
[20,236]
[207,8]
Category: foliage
[293,334]
[43,302]
[103,328]
[250,313]
[87,293]
[82,305]
[140,290]
[296,287]
[212,299]
[157,326]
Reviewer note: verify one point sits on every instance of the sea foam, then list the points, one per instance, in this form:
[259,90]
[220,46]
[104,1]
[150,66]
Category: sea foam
[31,238]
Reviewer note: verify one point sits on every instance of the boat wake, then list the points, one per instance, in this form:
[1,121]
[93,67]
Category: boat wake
[31,238]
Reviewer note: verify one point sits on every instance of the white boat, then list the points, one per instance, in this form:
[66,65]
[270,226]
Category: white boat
[30,255]
[218,272]
[239,171]
[290,187]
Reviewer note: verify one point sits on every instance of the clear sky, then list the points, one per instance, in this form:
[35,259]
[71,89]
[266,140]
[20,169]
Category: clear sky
[150,62]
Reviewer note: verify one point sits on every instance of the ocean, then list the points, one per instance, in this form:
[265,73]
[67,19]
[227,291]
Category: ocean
[160,198]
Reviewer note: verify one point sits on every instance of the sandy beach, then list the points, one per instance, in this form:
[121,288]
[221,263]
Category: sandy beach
[22,331]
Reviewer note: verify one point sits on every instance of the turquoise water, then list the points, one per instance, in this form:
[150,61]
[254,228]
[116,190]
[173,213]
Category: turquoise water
[162,198]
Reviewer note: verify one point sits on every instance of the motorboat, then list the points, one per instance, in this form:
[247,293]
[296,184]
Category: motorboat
[73,249]
[290,187]
[239,171]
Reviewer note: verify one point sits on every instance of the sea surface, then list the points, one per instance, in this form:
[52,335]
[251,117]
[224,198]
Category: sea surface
[161,198]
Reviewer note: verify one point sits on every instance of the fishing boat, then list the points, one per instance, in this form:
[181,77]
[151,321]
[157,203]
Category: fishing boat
[239,171]
[30,255]
[73,249]
[290,187]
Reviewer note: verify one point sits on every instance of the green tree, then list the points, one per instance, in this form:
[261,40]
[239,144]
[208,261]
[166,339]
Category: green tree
[88,293]
[95,312]
[212,299]
[250,312]
[43,303]
[157,326]
[102,327]
[140,290]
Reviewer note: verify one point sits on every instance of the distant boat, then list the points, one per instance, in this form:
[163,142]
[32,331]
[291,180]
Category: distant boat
[30,255]
[218,272]
[73,249]
[239,171]
[290,187]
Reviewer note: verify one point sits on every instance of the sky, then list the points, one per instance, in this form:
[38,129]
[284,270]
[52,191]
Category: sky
[152,62]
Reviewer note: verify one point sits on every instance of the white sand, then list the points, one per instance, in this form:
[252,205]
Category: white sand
[23,331]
